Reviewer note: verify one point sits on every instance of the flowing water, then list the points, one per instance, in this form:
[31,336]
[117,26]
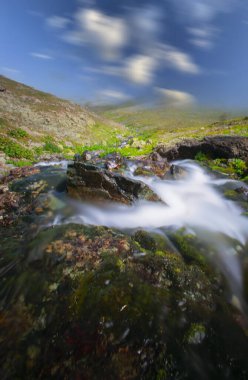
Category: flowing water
[195,201]
[195,205]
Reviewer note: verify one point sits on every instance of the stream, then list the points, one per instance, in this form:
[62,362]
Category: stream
[181,315]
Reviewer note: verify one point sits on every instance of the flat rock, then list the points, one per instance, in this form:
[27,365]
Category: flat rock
[91,183]
[214,147]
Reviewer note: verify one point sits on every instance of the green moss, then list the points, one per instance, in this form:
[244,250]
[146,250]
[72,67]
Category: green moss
[188,248]
[201,157]
[195,334]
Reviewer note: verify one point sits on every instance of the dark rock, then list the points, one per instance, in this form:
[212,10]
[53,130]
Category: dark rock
[243,191]
[89,182]
[213,147]
[2,89]
[113,161]
[175,172]
[86,156]
[155,156]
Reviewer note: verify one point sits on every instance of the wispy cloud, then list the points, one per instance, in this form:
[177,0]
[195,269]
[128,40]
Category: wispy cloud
[111,96]
[10,70]
[203,37]
[176,98]
[177,59]
[201,10]
[41,56]
[57,22]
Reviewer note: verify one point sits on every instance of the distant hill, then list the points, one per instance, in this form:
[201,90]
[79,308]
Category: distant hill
[168,125]
[41,123]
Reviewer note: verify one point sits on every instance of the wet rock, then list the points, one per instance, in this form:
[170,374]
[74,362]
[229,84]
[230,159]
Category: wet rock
[155,156]
[19,173]
[89,182]
[196,334]
[243,191]
[176,172]
[86,156]
[213,147]
[153,165]
[113,161]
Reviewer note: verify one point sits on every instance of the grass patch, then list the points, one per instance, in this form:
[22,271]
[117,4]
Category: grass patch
[50,145]
[18,133]
[15,150]
[20,163]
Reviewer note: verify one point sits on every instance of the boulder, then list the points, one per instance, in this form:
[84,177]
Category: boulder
[213,147]
[89,182]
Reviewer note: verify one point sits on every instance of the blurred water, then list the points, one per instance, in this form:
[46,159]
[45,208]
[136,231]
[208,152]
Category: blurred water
[194,201]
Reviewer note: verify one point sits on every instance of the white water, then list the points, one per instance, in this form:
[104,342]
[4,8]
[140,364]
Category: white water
[62,163]
[194,202]
[191,202]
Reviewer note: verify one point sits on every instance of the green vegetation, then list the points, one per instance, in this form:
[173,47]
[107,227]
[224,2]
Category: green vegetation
[239,166]
[20,163]
[18,133]
[15,150]
[200,157]
[50,145]
[235,167]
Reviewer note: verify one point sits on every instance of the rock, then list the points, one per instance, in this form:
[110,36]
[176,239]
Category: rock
[213,147]
[2,89]
[175,172]
[86,156]
[113,161]
[89,182]
[155,156]
[154,165]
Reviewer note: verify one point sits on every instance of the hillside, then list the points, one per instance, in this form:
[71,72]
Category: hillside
[34,123]
[169,125]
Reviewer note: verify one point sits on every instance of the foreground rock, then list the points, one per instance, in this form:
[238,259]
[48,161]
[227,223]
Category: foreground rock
[213,147]
[89,182]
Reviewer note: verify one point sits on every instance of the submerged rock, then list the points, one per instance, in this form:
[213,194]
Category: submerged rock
[89,182]
[212,147]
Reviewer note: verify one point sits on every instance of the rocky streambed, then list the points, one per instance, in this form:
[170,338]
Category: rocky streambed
[123,269]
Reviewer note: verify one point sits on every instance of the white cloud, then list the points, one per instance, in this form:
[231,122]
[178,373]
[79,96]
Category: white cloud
[203,37]
[201,43]
[146,20]
[176,98]
[41,56]
[10,70]
[108,34]
[111,96]
[176,59]
[201,10]
[140,69]
[57,22]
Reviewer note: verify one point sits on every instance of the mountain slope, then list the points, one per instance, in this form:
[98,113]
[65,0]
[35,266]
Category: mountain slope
[41,122]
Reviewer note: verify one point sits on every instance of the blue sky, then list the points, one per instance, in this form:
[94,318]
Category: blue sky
[183,51]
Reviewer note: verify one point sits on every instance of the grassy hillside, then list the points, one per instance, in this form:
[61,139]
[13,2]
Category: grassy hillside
[34,123]
[167,125]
